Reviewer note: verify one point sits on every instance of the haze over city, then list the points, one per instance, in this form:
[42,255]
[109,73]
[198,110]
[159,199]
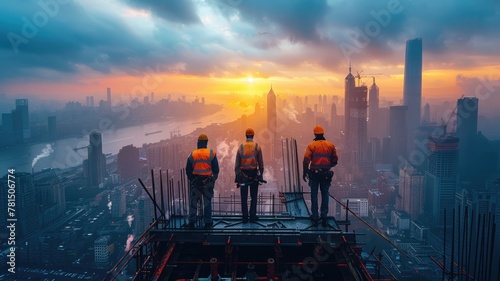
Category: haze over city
[96,94]
[228,46]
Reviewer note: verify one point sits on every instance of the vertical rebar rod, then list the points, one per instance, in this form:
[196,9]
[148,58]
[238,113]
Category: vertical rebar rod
[444,243]
[492,248]
[481,253]
[283,160]
[464,243]
[347,216]
[452,267]
[178,197]
[476,253]
[459,228]
[288,164]
[292,165]
[299,186]
[469,242]
[161,195]
[154,193]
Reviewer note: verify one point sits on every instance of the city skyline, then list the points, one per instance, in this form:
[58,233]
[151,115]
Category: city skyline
[243,47]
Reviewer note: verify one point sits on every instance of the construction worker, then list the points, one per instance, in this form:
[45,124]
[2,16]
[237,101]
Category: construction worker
[202,170]
[319,158]
[249,168]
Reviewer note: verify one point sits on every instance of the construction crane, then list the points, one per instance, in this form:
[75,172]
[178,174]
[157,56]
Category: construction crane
[446,123]
[359,76]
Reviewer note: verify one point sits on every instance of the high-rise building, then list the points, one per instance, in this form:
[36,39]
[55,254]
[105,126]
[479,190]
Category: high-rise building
[128,162]
[108,97]
[356,132]
[411,190]
[441,179]
[144,213]
[412,92]
[26,211]
[348,89]
[426,117]
[272,125]
[96,161]
[103,250]
[466,131]
[373,114]
[118,203]
[20,120]
[50,197]
[398,132]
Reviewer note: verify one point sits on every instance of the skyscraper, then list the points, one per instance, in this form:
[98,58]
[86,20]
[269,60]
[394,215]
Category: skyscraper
[411,189]
[355,121]
[398,131]
[108,100]
[349,87]
[426,118]
[128,162]
[26,207]
[96,161]
[441,179]
[20,120]
[412,92]
[466,131]
[373,107]
[272,124]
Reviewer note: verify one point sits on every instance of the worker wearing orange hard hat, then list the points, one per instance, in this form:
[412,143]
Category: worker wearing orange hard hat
[202,170]
[249,168]
[319,158]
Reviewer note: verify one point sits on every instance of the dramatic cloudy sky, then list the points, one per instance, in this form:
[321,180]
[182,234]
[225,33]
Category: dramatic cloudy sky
[74,48]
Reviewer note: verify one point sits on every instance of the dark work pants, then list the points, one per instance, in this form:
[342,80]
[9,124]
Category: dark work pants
[323,185]
[254,188]
[205,194]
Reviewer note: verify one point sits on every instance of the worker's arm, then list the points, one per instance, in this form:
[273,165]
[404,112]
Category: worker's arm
[215,168]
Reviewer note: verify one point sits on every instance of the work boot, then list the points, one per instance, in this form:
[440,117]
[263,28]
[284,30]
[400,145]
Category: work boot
[314,221]
[208,225]
[254,219]
[245,220]
[324,222]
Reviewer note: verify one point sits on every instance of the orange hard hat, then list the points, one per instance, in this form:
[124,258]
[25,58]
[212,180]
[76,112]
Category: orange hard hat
[203,137]
[318,130]
[249,132]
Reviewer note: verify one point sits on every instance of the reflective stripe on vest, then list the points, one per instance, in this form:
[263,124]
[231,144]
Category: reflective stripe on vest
[321,157]
[202,161]
[248,157]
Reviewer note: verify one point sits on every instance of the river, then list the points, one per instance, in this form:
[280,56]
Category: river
[62,154]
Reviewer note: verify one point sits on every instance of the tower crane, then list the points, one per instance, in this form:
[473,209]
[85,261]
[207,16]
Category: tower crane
[453,114]
[359,76]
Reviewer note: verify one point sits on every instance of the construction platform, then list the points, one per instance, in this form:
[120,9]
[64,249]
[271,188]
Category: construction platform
[284,246]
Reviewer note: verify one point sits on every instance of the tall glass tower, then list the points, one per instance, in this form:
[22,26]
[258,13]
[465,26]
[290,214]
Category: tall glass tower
[412,92]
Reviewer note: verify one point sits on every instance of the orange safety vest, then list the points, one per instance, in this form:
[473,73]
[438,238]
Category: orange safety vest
[201,159]
[321,153]
[248,154]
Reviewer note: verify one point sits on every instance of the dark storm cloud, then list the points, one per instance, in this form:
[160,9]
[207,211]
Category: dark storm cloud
[297,19]
[288,33]
[171,10]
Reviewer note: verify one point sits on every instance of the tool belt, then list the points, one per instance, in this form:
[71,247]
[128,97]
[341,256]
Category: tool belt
[246,176]
[321,175]
[201,181]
